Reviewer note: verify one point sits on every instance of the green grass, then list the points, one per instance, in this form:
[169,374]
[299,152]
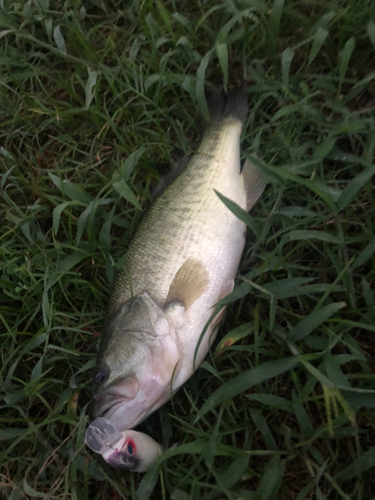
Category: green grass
[95,103]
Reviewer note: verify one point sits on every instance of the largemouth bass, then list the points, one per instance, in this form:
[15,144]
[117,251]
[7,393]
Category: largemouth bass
[182,261]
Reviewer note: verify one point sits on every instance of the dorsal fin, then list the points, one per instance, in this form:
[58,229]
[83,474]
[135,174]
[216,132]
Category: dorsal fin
[176,169]
[189,283]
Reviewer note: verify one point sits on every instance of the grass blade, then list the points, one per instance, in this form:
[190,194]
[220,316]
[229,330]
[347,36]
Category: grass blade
[371,32]
[271,479]
[59,39]
[200,86]
[123,189]
[358,467]
[310,322]
[345,56]
[90,86]
[246,380]
[71,190]
[353,187]
[286,61]
[274,27]
[318,41]
[240,213]
[222,54]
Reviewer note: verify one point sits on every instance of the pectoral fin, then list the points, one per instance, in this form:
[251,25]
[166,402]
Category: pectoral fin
[189,283]
[254,183]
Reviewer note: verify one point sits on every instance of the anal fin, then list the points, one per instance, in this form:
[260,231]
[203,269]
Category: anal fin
[189,283]
[254,183]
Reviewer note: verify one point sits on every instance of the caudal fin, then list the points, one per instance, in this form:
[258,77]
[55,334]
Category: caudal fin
[232,105]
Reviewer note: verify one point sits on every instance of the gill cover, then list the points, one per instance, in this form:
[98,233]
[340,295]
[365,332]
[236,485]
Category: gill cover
[128,334]
[137,357]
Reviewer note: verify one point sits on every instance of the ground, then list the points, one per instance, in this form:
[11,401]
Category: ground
[97,98]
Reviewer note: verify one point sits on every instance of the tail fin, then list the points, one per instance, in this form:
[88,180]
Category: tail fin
[233,105]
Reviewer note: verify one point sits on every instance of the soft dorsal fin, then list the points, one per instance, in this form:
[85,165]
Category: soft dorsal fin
[253,179]
[189,283]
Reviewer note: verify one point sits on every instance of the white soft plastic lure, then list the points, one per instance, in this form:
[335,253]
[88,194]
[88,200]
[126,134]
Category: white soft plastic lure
[131,450]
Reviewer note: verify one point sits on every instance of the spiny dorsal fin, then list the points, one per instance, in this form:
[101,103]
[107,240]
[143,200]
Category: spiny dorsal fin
[253,179]
[176,169]
[189,283]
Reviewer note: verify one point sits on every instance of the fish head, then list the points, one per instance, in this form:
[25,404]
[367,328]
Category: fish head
[137,357]
[129,450]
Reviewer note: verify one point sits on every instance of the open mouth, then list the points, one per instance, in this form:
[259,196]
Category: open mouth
[126,409]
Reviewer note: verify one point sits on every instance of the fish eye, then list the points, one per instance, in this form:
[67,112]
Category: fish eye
[101,375]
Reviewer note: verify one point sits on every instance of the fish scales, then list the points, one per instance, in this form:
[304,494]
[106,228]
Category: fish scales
[188,220]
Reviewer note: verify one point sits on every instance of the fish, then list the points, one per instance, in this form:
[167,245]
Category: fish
[182,260]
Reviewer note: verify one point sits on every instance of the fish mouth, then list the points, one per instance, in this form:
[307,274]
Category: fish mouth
[120,392]
[125,411]
[121,412]
[107,403]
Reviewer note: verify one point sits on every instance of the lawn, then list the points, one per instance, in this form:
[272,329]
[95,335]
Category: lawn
[97,98]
